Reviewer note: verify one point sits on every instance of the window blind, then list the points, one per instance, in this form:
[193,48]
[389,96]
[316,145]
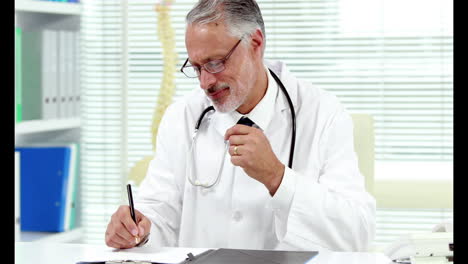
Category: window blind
[393,223]
[101,115]
[377,57]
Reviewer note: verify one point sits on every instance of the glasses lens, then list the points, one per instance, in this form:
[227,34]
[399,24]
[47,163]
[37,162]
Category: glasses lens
[191,71]
[214,66]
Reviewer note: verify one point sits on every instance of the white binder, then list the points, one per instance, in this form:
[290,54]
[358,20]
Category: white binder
[67,88]
[76,86]
[49,74]
[62,74]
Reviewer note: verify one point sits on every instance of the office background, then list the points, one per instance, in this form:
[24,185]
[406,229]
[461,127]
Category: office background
[391,59]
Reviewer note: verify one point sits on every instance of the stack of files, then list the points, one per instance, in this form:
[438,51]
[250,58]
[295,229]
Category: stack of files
[50,74]
[48,187]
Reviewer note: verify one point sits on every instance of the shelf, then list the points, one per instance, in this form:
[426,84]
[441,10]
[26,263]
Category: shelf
[38,126]
[59,8]
[61,237]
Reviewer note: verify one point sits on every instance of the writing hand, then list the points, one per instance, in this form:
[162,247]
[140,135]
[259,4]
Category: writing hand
[122,230]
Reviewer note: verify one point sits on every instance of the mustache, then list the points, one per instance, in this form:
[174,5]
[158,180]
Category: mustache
[217,88]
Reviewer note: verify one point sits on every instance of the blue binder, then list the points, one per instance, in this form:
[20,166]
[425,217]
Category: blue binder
[44,173]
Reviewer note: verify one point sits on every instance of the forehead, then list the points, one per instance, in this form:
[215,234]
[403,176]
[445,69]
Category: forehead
[204,42]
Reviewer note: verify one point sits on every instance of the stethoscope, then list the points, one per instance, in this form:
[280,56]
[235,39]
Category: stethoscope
[192,165]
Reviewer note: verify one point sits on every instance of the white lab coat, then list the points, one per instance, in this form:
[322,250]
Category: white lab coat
[321,203]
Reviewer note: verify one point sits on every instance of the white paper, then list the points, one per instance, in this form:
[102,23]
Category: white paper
[162,255]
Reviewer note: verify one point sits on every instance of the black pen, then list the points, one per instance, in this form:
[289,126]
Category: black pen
[132,209]
[402,261]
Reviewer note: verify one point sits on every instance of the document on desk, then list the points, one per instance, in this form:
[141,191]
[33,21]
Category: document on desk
[156,255]
[236,256]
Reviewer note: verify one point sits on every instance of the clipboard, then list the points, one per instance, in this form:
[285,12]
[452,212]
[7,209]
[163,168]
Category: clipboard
[244,256]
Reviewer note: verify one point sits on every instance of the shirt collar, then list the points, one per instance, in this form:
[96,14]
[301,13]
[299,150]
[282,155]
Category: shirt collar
[263,112]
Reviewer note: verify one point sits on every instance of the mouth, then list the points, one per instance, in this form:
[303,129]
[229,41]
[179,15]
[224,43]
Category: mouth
[218,93]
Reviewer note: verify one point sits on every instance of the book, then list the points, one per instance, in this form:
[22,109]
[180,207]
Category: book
[17,198]
[39,74]
[70,73]
[18,81]
[72,188]
[49,73]
[62,76]
[31,77]
[76,68]
[48,176]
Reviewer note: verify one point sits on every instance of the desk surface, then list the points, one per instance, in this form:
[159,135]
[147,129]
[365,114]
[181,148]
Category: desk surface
[64,253]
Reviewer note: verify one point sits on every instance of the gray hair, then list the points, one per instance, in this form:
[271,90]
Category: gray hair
[241,16]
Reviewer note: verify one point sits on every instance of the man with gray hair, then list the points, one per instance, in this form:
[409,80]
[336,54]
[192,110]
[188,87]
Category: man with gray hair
[247,184]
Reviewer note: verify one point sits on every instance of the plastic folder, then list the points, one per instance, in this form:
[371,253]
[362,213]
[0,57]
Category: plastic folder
[43,192]
[236,256]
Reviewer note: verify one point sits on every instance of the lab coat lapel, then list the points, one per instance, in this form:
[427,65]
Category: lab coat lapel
[222,122]
[289,82]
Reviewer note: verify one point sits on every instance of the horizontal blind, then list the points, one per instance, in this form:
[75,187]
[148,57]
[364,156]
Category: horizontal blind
[145,70]
[381,59]
[400,72]
[393,223]
[101,60]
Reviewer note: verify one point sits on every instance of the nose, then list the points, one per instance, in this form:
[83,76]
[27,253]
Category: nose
[207,80]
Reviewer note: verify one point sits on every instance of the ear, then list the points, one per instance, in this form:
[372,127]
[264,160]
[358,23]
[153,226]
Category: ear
[258,42]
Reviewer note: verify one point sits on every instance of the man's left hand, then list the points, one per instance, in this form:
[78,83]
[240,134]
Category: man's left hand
[251,150]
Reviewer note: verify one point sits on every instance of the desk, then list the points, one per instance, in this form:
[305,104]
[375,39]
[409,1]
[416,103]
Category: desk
[64,253]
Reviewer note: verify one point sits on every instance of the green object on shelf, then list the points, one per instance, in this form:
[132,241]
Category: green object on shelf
[32,52]
[18,81]
[74,188]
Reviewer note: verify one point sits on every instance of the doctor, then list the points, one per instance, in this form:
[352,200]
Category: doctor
[233,187]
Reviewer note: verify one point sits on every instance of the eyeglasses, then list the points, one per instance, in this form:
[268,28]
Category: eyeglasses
[213,66]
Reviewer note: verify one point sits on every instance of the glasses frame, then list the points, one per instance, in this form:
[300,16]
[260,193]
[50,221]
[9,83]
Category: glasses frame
[198,68]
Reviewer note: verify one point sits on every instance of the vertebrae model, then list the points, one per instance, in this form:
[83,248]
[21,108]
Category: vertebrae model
[167,37]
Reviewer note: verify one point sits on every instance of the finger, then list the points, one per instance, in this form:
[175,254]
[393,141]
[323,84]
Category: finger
[237,130]
[117,241]
[234,150]
[237,161]
[113,239]
[238,139]
[144,224]
[127,221]
[123,224]
[123,233]
[112,242]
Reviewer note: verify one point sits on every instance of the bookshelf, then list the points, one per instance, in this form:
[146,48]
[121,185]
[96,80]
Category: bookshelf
[40,126]
[62,8]
[63,237]
[33,16]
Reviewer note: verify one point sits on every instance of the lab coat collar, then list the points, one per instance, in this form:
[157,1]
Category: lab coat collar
[264,111]
[289,81]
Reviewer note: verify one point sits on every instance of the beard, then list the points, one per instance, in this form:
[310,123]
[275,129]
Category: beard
[230,102]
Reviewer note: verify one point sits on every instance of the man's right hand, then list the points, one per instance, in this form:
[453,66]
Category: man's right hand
[122,230]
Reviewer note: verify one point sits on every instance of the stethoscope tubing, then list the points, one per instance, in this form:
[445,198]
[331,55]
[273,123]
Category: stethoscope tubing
[211,108]
[293,118]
